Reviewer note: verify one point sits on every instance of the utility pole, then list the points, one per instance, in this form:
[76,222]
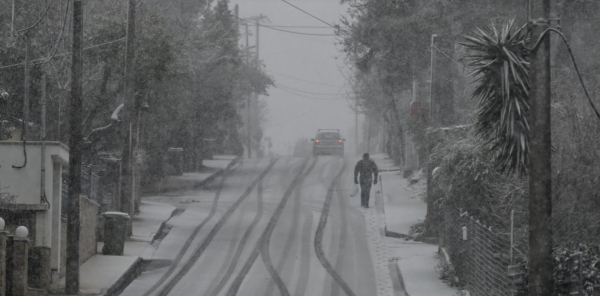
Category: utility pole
[248,121]
[369,134]
[236,11]
[43,139]
[429,140]
[356,145]
[540,169]
[26,86]
[75,151]
[128,114]
[255,95]
[431,113]
[12,26]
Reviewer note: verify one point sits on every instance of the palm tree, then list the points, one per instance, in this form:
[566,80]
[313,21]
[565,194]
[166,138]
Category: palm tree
[500,62]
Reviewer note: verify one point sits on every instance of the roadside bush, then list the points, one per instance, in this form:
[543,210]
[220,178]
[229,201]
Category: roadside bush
[466,178]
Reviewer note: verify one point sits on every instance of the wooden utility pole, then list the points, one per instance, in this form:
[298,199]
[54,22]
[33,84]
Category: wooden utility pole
[26,86]
[429,140]
[248,122]
[356,145]
[236,11]
[540,169]
[12,26]
[75,151]
[254,104]
[128,114]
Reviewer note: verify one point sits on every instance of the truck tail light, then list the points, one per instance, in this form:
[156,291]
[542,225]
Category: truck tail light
[317,141]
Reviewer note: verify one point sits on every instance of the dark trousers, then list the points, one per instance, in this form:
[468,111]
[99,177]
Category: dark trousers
[365,190]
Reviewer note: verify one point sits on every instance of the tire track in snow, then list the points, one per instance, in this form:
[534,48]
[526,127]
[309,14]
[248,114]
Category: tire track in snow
[290,245]
[259,248]
[229,258]
[339,261]
[320,231]
[305,256]
[240,249]
[190,239]
[208,239]
[238,252]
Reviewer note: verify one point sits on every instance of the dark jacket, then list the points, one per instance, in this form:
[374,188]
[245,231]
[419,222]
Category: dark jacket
[367,170]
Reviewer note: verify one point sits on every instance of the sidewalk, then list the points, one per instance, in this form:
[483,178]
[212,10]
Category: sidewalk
[417,263]
[187,181]
[109,275]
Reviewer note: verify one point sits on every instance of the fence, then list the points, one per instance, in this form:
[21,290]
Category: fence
[481,257]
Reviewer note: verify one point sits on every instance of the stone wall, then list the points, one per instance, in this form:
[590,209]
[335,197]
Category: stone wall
[88,241]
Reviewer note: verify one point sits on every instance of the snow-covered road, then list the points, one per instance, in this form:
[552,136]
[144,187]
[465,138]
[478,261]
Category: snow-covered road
[285,227]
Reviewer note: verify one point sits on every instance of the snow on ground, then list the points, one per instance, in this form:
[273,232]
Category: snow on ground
[384,163]
[190,180]
[101,272]
[379,252]
[404,206]
[418,264]
[218,161]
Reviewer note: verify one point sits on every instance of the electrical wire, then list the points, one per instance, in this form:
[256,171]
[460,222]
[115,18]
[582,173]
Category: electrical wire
[564,39]
[301,27]
[39,20]
[307,92]
[287,31]
[59,36]
[309,97]
[450,58]
[299,33]
[62,54]
[306,12]
[304,80]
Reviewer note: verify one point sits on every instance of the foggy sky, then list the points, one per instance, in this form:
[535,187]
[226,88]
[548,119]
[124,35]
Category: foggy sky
[311,58]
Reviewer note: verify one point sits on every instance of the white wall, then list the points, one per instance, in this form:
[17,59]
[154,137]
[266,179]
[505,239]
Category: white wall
[25,183]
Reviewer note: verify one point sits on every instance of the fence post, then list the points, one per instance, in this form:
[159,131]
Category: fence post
[2,258]
[580,269]
[512,235]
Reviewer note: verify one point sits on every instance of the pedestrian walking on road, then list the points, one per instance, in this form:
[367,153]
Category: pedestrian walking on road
[368,173]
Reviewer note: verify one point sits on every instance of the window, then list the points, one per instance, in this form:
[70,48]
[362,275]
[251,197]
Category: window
[330,135]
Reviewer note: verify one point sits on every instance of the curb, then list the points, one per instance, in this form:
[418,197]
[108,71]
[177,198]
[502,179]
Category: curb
[162,227]
[209,179]
[136,269]
[218,173]
[400,278]
[131,274]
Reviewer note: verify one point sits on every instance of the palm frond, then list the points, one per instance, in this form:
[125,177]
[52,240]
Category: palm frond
[500,63]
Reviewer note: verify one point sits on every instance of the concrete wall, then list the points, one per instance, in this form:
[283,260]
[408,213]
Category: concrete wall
[25,183]
[87,233]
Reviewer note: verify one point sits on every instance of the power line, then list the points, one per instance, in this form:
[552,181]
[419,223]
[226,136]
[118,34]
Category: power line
[307,92]
[62,54]
[60,35]
[301,27]
[574,66]
[299,33]
[447,56]
[304,80]
[309,97]
[39,20]
[286,31]
[306,12]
